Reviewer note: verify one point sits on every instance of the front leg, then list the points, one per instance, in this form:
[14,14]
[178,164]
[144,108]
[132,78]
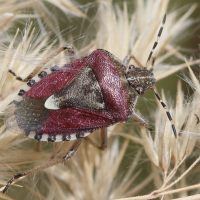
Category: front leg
[133,97]
[127,60]
[140,120]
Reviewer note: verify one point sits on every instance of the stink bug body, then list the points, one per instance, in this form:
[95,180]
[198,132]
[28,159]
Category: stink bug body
[90,93]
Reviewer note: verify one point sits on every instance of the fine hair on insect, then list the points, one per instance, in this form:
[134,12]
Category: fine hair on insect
[87,94]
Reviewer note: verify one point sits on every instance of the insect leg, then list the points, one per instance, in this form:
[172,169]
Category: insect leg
[141,121]
[167,111]
[103,140]
[38,146]
[71,53]
[128,58]
[69,154]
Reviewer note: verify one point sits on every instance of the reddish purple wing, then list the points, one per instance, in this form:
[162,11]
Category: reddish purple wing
[72,120]
[56,81]
[114,86]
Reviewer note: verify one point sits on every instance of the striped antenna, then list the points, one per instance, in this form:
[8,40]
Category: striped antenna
[156,42]
[153,62]
[167,111]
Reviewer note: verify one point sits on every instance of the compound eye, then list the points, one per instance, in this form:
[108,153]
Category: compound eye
[131,67]
[140,90]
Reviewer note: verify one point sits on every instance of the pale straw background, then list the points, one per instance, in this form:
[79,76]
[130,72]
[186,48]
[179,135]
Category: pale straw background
[136,162]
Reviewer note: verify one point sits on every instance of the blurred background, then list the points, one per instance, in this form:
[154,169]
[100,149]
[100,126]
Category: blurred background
[84,25]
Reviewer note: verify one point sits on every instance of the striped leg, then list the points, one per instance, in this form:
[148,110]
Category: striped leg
[156,42]
[71,54]
[53,162]
[167,111]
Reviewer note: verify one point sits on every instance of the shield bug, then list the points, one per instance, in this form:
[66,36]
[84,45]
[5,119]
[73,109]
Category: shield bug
[90,93]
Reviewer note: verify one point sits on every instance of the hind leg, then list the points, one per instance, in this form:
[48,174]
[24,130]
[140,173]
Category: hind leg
[51,163]
[103,140]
